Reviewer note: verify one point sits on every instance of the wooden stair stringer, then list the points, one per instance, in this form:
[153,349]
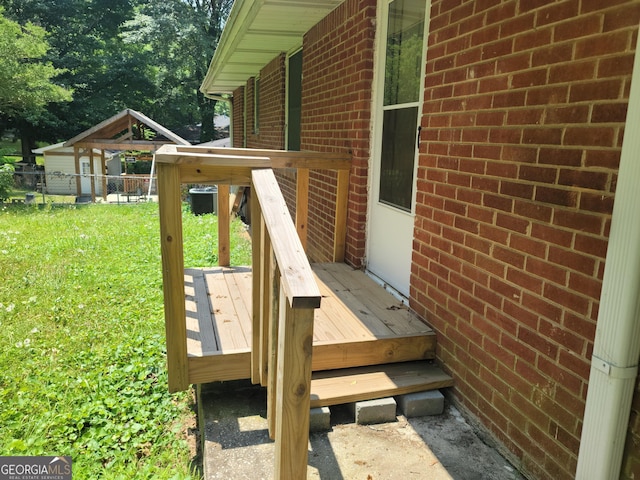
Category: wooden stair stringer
[368,383]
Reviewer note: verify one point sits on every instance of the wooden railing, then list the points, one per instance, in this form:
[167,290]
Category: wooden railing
[284,290]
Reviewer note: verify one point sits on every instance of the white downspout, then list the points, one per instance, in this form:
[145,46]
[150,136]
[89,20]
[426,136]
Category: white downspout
[614,365]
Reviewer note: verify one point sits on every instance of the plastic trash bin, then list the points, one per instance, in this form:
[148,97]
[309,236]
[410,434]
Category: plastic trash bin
[203,200]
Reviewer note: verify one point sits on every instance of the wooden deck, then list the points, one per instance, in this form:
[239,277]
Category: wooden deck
[358,323]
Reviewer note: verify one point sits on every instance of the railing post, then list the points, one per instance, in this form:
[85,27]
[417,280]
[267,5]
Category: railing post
[224,250]
[340,219]
[257,293]
[295,338]
[302,205]
[173,275]
[266,285]
[272,369]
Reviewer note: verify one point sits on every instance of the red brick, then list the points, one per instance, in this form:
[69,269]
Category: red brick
[532,5]
[533,211]
[575,363]
[538,174]
[595,5]
[558,53]
[570,114]
[608,113]
[541,307]
[528,116]
[596,203]
[517,24]
[557,12]
[578,221]
[529,282]
[560,156]
[602,45]
[492,152]
[602,158]
[584,179]
[572,71]
[547,270]
[527,245]
[608,89]
[580,325]
[538,342]
[566,298]
[510,99]
[572,260]
[561,336]
[512,223]
[548,95]
[532,39]
[622,17]
[590,136]
[516,189]
[519,349]
[581,26]
[493,84]
[620,65]
[503,135]
[556,196]
[591,245]
[586,285]
[517,153]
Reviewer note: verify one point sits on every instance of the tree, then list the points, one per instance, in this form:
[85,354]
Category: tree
[26,86]
[181,37]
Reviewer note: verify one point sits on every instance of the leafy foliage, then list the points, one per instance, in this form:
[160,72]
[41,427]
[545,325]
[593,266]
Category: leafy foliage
[26,85]
[82,360]
[149,55]
[6,180]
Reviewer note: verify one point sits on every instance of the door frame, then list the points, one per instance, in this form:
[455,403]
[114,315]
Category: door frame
[377,114]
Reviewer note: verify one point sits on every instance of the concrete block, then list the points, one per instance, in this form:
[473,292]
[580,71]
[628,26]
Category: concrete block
[320,419]
[421,403]
[381,410]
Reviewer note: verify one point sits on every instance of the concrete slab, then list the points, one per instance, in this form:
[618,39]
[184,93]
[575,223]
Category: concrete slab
[236,443]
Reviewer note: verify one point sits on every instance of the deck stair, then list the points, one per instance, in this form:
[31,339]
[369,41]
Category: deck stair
[336,387]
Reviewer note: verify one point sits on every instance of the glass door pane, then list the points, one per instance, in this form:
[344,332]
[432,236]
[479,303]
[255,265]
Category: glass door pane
[398,154]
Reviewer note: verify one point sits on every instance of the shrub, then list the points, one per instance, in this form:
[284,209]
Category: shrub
[6,180]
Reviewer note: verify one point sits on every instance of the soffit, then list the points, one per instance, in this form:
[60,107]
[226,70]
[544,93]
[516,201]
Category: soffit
[255,33]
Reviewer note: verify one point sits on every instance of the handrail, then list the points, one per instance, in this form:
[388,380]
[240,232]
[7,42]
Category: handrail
[285,293]
[283,323]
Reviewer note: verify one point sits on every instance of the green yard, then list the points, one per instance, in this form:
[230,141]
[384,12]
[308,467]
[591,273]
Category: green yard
[82,362]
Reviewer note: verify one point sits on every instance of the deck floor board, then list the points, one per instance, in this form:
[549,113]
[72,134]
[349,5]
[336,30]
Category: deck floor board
[355,313]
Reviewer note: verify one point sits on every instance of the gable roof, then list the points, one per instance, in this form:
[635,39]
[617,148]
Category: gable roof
[117,133]
[256,32]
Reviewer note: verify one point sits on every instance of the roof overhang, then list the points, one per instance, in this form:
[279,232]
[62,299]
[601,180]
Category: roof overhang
[255,33]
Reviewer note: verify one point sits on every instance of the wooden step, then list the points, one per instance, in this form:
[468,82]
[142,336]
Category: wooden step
[367,383]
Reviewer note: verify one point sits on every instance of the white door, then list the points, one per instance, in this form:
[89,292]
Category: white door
[400,74]
[85,178]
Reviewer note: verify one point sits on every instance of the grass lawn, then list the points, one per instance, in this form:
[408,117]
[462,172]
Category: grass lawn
[82,351]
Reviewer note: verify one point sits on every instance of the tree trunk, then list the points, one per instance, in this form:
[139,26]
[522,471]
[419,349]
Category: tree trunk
[28,143]
[207,112]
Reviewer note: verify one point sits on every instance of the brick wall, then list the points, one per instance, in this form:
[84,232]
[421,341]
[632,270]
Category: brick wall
[270,133]
[238,118]
[524,110]
[336,111]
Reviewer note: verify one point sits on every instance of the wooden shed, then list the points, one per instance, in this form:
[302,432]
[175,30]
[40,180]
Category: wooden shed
[127,130]
[60,169]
